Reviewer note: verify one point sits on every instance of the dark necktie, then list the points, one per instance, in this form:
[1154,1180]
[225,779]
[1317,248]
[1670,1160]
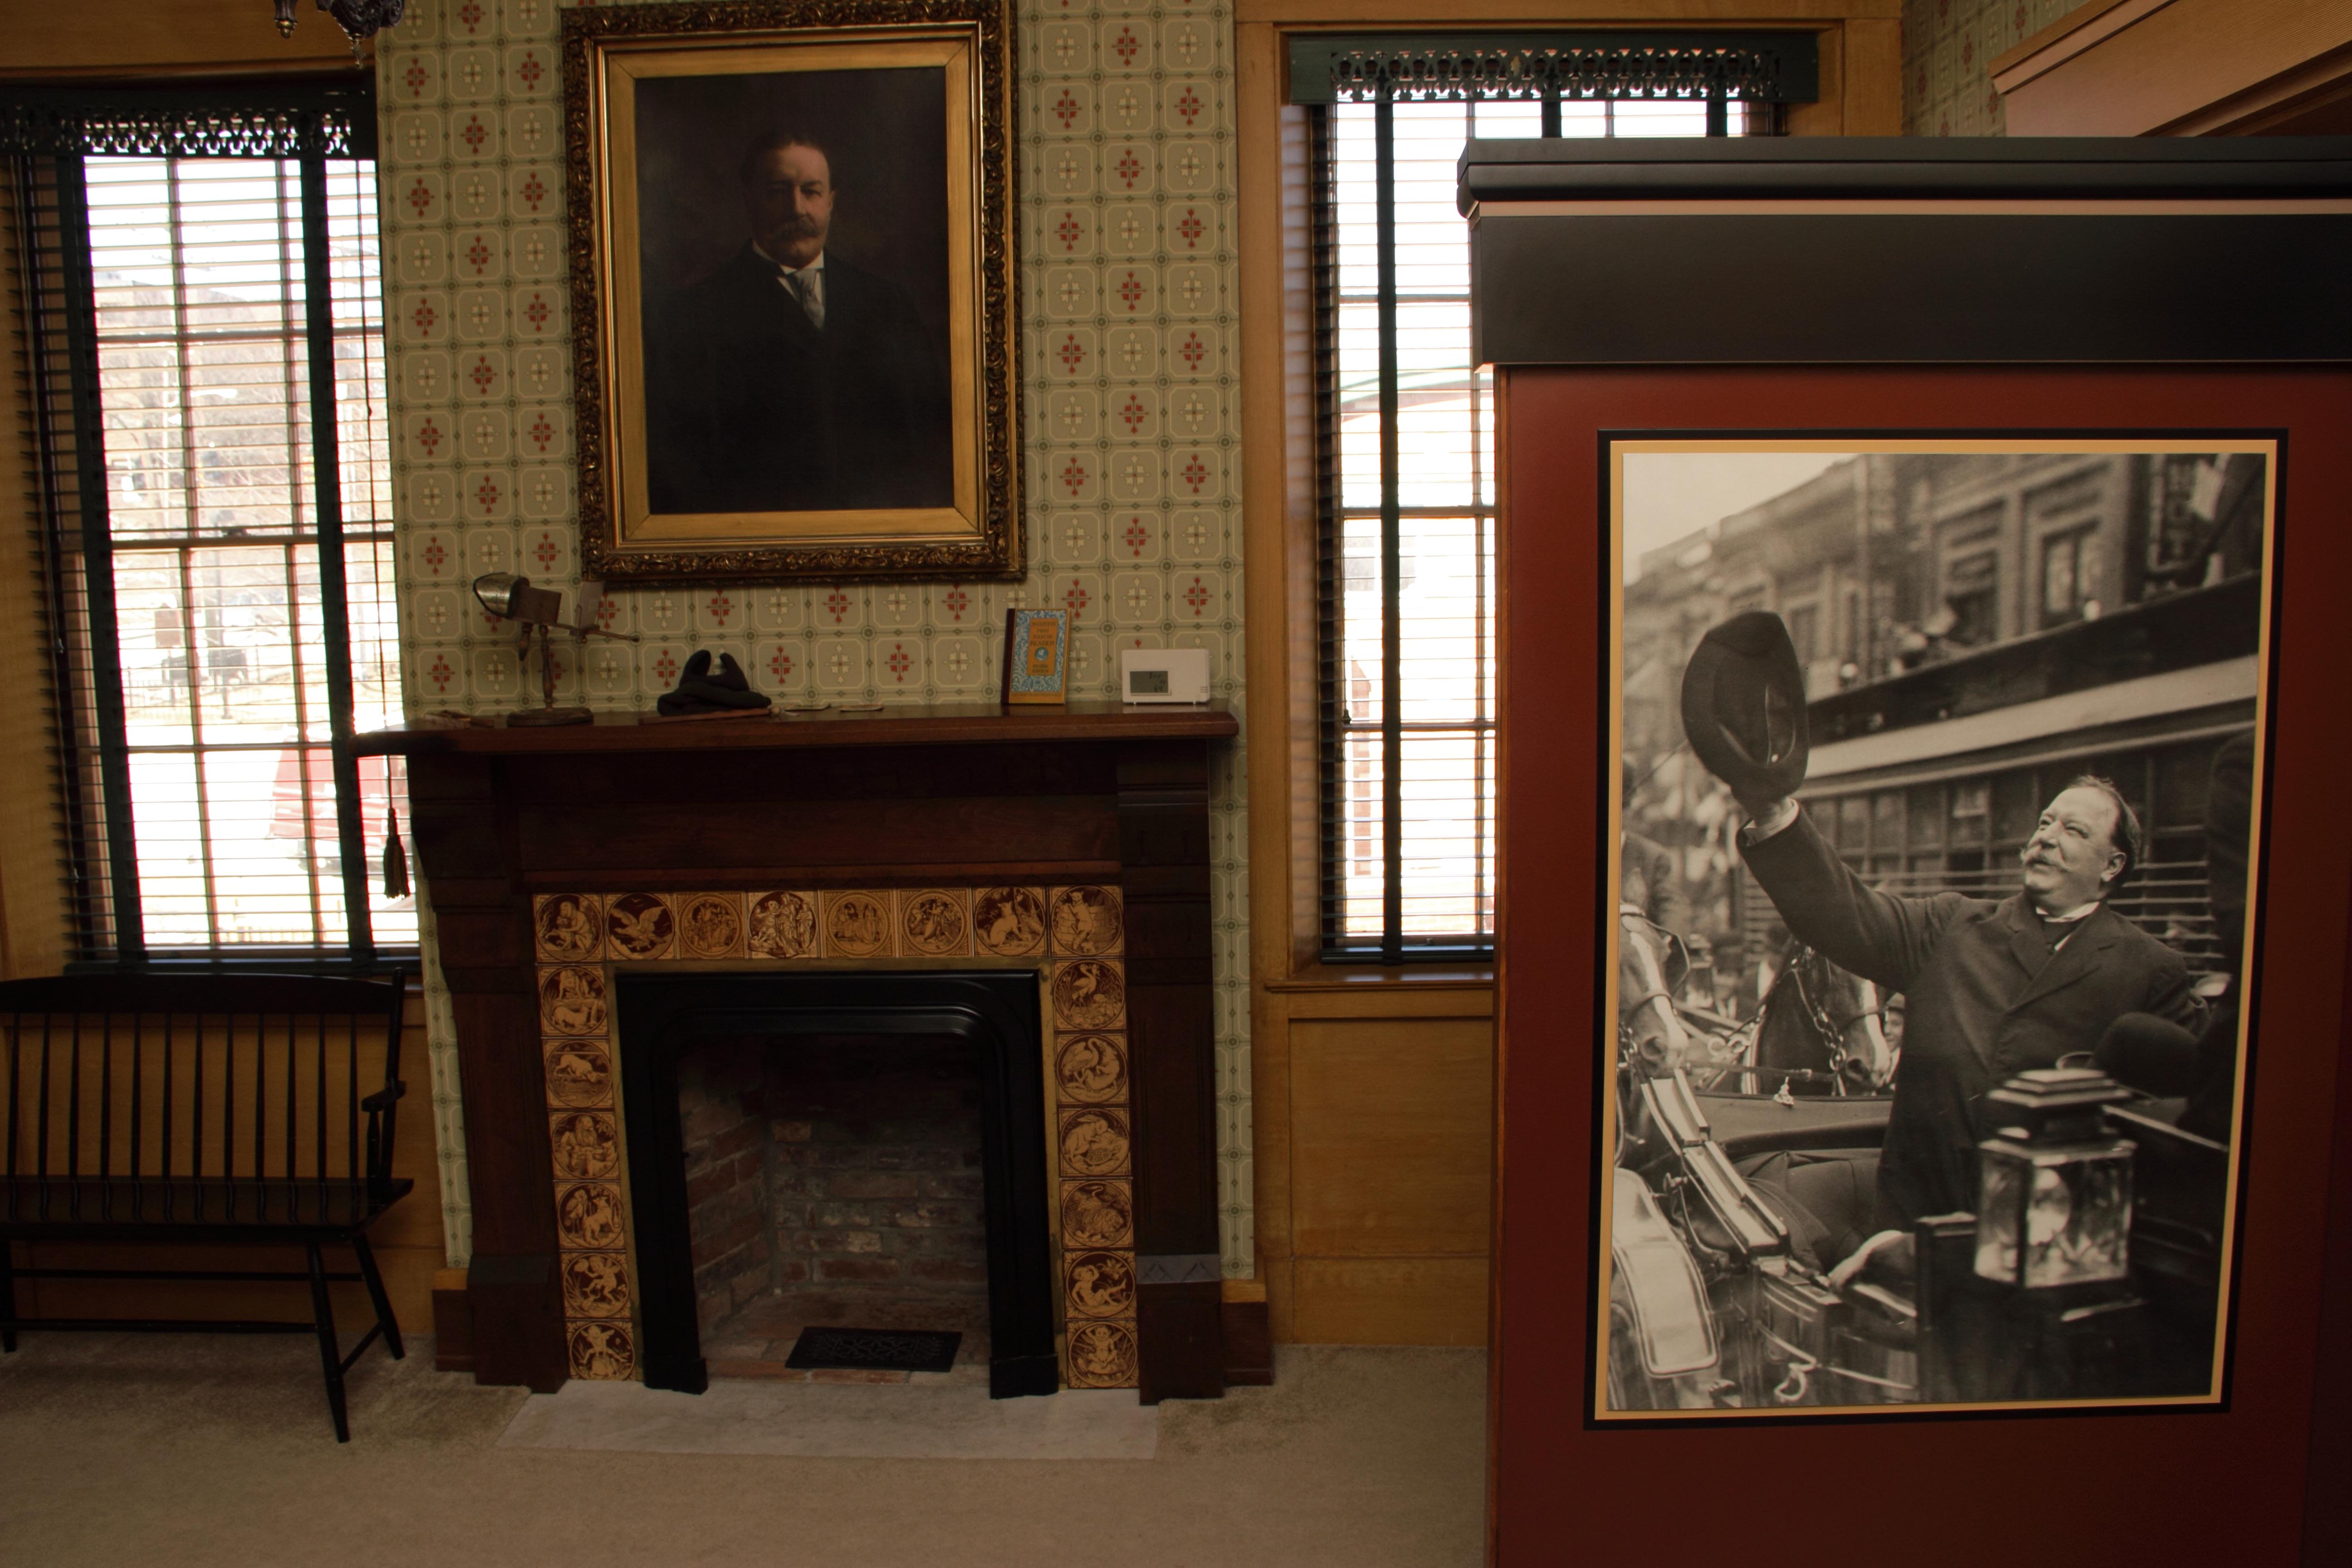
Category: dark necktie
[2056,932]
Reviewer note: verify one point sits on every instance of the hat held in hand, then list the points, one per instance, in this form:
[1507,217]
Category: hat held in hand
[1744,706]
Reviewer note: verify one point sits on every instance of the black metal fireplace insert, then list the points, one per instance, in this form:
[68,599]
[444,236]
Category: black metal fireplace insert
[657,1016]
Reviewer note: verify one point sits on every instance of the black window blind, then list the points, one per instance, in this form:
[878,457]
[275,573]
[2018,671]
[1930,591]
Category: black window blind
[203,314]
[1405,429]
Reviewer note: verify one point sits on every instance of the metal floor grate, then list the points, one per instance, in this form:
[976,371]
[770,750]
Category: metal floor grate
[875,1350]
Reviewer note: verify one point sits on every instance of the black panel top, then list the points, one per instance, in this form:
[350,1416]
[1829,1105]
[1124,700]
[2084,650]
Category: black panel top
[2050,250]
[1889,167]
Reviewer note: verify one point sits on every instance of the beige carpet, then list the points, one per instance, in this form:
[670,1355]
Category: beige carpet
[839,1421]
[208,1451]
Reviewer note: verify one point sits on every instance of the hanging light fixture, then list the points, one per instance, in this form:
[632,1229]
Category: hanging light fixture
[358,19]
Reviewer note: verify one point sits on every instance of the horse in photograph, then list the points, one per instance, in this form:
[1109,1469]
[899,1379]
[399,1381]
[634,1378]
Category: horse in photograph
[1822,1030]
[1652,1035]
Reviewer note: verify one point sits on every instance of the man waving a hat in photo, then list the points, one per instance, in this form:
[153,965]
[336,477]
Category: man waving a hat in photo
[1994,988]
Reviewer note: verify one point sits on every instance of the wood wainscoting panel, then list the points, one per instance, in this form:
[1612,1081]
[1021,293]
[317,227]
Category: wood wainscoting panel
[1873,84]
[1389,1300]
[1391,1136]
[1391,1157]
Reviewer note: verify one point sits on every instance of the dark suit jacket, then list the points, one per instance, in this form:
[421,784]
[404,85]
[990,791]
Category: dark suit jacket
[1988,999]
[1646,877]
[750,407]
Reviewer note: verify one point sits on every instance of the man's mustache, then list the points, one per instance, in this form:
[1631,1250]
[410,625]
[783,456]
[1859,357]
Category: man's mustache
[800,226]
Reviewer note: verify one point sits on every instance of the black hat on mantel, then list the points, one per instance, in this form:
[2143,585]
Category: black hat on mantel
[1744,706]
[701,689]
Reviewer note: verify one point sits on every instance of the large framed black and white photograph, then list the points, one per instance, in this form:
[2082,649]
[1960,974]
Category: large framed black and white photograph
[1935,859]
[792,284]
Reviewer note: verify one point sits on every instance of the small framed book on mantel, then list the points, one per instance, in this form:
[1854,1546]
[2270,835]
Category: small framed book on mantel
[1036,644]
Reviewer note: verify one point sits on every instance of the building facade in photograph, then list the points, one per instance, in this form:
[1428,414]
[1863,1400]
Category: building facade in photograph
[1974,629]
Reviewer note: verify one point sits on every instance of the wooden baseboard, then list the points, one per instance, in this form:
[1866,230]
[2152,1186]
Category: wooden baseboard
[453,1322]
[1248,1334]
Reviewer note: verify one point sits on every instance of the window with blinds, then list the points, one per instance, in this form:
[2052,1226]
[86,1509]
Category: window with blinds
[207,333]
[1406,428]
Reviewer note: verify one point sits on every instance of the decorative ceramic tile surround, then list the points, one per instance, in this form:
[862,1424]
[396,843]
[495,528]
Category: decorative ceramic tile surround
[1075,936]
[1129,334]
[1949,48]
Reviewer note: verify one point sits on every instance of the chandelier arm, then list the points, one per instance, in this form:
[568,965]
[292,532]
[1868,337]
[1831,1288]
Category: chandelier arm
[358,19]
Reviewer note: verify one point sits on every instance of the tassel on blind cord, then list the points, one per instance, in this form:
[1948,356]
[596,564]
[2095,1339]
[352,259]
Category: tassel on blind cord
[395,857]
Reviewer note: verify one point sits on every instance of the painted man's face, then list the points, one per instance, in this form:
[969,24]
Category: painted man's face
[789,204]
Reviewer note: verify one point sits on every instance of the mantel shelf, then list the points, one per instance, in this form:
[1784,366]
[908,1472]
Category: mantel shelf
[933,724]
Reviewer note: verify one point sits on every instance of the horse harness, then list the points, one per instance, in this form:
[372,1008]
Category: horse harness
[1831,1029]
[1827,1027]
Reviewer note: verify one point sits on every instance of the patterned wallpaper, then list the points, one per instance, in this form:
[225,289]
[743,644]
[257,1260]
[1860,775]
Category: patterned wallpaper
[1948,47]
[1130,355]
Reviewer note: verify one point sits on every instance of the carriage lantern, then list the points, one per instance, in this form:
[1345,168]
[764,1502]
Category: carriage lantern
[2055,1205]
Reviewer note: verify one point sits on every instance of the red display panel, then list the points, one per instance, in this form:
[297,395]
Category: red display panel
[2225,1485]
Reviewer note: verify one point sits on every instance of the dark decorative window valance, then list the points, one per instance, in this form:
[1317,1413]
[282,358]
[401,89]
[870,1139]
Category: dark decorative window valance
[1737,67]
[266,121]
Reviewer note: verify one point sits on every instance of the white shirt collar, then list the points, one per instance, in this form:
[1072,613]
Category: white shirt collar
[816,266]
[2071,916]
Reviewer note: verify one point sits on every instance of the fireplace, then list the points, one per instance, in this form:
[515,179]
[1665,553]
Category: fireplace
[814,1028]
[833,1180]
[1062,849]
[650,970]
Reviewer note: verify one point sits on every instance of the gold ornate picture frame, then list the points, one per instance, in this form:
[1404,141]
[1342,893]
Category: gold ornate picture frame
[793,255]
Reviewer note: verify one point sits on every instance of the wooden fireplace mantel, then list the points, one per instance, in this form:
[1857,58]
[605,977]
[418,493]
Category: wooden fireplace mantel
[950,796]
[931,724]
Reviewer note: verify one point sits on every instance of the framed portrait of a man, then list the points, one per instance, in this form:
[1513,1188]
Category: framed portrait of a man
[793,279]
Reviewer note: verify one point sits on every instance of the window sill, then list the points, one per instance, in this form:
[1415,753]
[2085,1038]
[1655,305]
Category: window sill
[1374,977]
[281,960]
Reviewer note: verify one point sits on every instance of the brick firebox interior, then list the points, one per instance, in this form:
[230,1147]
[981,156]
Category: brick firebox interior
[832,1179]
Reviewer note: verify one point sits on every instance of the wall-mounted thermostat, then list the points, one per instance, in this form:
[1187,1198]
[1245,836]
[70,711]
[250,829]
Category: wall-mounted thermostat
[1163,674]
